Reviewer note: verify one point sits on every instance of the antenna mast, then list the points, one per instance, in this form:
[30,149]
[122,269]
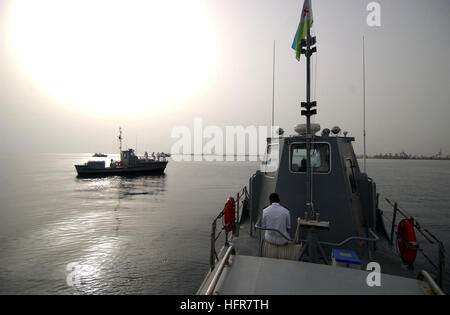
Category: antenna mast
[273,88]
[364,104]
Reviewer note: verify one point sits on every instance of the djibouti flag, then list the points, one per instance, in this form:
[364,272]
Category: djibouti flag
[306,22]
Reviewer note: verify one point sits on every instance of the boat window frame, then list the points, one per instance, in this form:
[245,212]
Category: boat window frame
[313,172]
[266,174]
[351,175]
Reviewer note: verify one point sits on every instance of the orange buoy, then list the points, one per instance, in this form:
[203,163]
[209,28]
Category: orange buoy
[407,242]
[229,214]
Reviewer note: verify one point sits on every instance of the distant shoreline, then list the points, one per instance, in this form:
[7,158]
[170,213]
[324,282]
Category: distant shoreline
[404,158]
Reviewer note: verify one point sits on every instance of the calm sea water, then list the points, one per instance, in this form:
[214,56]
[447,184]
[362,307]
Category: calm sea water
[149,235]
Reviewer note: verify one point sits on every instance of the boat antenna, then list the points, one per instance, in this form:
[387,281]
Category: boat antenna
[273,88]
[364,104]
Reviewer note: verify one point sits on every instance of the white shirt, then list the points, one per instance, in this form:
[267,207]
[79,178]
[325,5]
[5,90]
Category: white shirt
[278,218]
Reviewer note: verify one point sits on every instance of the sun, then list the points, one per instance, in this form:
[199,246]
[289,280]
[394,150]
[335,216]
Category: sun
[114,57]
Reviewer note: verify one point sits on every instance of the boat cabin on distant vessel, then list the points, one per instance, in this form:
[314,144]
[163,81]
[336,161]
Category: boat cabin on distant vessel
[128,158]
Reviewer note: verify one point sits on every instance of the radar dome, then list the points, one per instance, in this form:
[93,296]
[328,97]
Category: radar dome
[301,129]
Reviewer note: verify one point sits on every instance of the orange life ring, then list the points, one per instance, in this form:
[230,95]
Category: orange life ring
[407,242]
[229,214]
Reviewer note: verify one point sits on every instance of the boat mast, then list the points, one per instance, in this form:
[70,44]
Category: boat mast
[308,43]
[120,140]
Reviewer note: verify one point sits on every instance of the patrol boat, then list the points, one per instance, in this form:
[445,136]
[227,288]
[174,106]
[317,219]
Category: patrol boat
[339,243]
[129,165]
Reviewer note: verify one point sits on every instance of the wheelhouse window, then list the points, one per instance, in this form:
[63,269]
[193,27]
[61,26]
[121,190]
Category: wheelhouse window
[320,157]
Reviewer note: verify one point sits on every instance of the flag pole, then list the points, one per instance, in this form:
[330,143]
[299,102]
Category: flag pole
[306,46]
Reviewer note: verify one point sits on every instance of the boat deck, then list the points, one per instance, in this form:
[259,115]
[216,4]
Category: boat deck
[267,276]
[249,274]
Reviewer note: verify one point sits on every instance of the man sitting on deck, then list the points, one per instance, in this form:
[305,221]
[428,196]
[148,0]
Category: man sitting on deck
[276,217]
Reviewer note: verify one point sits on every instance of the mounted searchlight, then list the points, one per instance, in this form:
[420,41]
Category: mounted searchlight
[336,130]
[325,132]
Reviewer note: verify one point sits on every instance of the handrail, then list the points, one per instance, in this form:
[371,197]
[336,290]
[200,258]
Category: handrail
[354,238]
[212,254]
[258,227]
[213,283]
[243,192]
[433,285]
[427,235]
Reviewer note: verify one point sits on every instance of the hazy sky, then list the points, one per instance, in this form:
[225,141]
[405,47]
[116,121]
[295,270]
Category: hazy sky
[72,72]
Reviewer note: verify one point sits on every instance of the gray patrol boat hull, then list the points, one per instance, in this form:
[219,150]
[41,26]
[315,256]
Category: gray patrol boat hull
[149,168]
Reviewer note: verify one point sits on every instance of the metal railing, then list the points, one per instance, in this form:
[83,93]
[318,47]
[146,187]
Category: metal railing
[262,228]
[433,286]
[216,277]
[349,239]
[354,238]
[261,239]
[440,266]
[213,257]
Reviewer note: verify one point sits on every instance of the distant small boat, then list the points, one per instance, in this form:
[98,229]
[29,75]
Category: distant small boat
[100,155]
